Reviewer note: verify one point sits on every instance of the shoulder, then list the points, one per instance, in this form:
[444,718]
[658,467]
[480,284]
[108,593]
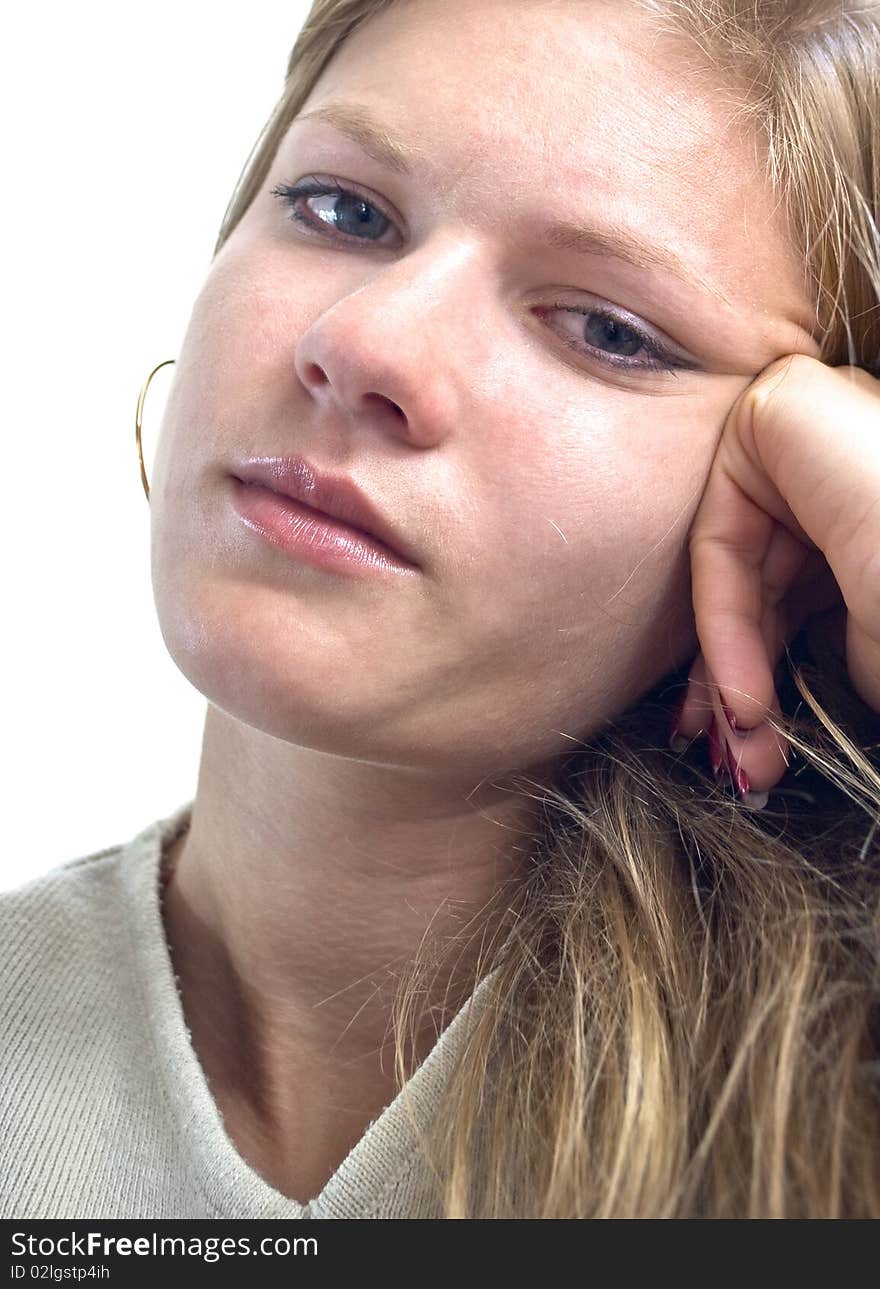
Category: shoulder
[63,970]
[69,933]
[76,947]
[49,918]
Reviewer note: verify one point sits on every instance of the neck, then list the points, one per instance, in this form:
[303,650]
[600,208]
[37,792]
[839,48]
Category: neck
[303,889]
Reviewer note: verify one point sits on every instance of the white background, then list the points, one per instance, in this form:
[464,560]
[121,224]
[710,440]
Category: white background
[125,129]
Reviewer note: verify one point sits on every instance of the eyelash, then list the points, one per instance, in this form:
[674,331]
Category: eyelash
[660,360]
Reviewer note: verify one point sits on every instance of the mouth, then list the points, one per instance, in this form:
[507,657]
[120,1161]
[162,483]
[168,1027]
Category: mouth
[332,498]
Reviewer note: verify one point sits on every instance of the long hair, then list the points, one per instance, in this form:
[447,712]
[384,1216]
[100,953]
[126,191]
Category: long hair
[681,1006]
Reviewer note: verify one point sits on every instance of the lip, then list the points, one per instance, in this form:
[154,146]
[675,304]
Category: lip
[333,496]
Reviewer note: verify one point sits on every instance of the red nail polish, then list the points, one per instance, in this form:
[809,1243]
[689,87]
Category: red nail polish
[715,754]
[737,773]
[740,778]
[731,719]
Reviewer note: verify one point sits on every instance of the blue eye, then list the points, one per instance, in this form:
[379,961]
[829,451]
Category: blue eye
[348,210]
[604,327]
[352,211]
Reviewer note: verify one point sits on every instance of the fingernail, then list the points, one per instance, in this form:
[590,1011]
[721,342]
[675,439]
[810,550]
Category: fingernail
[737,773]
[715,754]
[740,778]
[731,720]
[756,800]
[722,758]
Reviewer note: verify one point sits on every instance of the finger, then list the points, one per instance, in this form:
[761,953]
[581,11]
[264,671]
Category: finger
[742,563]
[807,444]
[783,560]
[761,755]
[863,662]
[796,478]
[755,761]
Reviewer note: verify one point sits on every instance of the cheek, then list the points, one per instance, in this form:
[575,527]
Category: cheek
[238,319]
[584,566]
[241,318]
[573,508]
[228,362]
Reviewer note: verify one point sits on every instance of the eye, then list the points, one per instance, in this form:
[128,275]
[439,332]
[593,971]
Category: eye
[606,337]
[614,340]
[342,210]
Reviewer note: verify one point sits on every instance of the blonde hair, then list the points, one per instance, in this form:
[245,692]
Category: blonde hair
[683,1015]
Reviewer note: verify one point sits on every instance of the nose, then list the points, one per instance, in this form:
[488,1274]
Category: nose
[393,352]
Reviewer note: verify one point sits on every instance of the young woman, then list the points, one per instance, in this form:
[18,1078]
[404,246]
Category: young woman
[529,414]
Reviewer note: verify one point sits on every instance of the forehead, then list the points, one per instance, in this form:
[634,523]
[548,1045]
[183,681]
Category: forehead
[502,99]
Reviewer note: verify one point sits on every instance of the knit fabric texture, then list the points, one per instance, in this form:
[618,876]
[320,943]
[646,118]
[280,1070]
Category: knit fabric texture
[105,1110]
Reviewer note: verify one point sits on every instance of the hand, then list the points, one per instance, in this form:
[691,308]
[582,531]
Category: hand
[788,526]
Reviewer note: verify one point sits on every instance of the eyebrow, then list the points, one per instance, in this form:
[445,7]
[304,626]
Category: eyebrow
[357,122]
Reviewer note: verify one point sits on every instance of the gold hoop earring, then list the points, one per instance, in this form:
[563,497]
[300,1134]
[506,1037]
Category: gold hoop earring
[137,422]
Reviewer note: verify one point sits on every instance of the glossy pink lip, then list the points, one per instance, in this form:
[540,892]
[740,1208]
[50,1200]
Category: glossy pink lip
[333,495]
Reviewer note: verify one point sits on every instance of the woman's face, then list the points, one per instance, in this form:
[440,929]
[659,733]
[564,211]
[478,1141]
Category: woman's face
[481,377]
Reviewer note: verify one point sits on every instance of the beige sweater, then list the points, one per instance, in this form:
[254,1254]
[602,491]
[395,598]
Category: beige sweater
[105,1110]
